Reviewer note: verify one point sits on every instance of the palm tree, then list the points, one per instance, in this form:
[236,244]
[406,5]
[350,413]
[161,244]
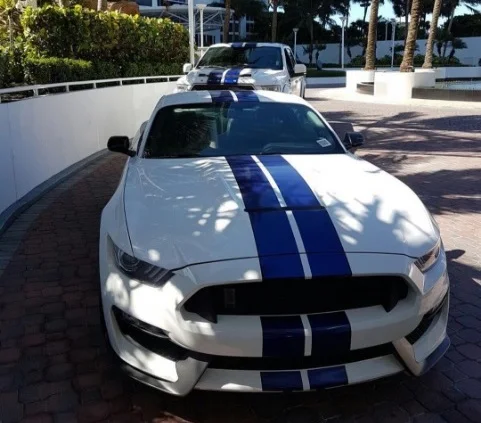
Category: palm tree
[407,65]
[275,4]
[226,21]
[372,37]
[428,58]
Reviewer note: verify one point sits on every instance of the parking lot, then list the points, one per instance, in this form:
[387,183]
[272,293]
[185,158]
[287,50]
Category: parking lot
[53,362]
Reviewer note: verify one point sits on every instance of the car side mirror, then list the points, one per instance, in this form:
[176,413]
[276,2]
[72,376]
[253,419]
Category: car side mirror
[187,68]
[353,140]
[300,69]
[120,144]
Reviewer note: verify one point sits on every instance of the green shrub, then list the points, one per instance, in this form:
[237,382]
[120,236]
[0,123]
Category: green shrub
[55,70]
[79,33]
[3,68]
[11,64]
[151,69]
[106,70]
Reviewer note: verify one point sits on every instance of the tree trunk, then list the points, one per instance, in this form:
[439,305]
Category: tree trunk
[311,36]
[275,3]
[226,21]
[451,17]
[406,20]
[428,58]
[372,37]
[365,14]
[410,46]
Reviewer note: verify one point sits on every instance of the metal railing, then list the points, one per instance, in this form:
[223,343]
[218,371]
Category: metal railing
[66,87]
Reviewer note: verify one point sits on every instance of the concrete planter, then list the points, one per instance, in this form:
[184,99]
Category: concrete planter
[354,77]
[399,85]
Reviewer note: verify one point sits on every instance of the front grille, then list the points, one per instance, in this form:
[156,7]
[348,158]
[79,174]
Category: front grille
[426,321]
[293,296]
[166,348]
[222,87]
[292,363]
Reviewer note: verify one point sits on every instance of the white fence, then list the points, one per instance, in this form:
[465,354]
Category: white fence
[468,56]
[44,135]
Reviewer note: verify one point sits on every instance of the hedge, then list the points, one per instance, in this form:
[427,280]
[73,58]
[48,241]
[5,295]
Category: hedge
[85,34]
[56,70]
[3,67]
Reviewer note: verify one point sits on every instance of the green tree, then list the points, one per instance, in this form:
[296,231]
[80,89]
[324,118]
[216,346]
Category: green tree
[467,25]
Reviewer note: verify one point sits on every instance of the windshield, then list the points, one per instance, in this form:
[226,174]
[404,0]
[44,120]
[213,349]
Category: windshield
[252,57]
[238,128]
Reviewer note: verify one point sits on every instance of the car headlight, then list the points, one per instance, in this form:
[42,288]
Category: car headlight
[429,259]
[271,88]
[140,270]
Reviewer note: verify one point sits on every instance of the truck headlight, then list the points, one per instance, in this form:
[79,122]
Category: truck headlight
[271,88]
[429,259]
[140,270]
[182,87]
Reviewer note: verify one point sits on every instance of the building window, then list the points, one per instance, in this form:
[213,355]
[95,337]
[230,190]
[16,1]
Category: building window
[147,3]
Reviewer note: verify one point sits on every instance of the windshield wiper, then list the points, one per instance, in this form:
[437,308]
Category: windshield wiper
[180,156]
[211,66]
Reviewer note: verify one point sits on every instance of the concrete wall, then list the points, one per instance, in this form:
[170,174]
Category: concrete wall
[42,136]
[467,56]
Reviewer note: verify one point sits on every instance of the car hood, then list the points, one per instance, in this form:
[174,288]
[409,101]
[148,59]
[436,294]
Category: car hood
[245,76]
[187,211]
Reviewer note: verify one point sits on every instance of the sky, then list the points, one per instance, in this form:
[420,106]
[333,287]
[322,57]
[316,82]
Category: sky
[386,11]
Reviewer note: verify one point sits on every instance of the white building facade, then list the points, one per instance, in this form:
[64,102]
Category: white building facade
[213,18]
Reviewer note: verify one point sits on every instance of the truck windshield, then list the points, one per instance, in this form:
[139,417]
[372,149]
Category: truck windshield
[246,56]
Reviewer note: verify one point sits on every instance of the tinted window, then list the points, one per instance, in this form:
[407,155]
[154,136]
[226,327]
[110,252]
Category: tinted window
[252,57]
[226,129]
[290,63]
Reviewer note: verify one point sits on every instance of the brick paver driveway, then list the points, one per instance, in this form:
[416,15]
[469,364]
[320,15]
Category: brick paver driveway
[53,364]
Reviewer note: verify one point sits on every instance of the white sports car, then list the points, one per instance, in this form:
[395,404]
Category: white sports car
[246,249]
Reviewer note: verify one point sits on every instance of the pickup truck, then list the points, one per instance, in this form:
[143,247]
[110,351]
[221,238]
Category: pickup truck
[245,66]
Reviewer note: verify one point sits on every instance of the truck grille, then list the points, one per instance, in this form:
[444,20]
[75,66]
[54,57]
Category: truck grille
[293,296]
[220,87]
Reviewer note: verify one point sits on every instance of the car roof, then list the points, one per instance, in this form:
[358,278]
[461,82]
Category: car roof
[211,96]
[248,44]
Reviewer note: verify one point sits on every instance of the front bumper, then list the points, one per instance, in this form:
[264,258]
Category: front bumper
[397,340]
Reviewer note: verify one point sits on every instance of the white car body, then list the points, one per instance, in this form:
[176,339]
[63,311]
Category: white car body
[356,226]
[289,79]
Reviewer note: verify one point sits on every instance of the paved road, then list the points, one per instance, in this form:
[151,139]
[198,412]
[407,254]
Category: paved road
[53,365]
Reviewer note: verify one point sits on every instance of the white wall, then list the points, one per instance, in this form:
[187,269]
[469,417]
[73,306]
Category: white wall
[42,136]
[467,56]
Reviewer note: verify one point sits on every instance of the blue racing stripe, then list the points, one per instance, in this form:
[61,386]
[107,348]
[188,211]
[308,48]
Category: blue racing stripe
[294,188]
[315,225]
[275,242]
[256,190]
[282,336]
[327,377]
[221,96]
[232,76]
[215,77]
[281,381]
[331,333]
[250,45]
[247,96]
